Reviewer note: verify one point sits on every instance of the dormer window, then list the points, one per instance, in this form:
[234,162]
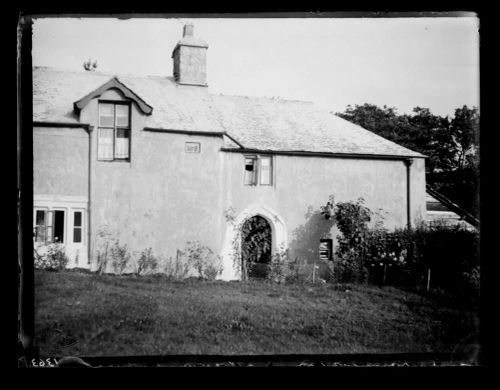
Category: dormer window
[114,131]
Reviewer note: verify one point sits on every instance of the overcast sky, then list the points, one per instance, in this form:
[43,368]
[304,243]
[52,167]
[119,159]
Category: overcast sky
[399,62]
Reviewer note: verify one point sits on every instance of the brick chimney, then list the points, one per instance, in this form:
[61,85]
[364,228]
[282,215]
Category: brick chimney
[190,59]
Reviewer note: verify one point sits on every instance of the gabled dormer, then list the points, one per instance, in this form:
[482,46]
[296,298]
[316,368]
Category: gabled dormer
[113,83]
[112,109]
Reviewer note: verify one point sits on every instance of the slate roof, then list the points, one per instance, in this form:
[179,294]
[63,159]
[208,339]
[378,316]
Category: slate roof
[255,123]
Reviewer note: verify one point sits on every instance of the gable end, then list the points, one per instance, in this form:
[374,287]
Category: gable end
[114,83]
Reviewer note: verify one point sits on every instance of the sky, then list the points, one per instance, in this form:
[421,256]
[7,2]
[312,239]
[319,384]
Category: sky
[333,62]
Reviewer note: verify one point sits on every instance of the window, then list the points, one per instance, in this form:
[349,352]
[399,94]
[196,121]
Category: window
[49,226]
[265,171]
[40,226]
[77,226]
[250,170]
[58,226]
[259,170]
[325,249]
[114,132]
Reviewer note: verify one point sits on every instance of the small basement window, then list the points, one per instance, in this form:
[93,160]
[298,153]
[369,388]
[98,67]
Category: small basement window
[325,249]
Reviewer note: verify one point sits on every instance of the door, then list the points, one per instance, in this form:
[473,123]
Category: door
[50,228]
[64,226]
[76,248]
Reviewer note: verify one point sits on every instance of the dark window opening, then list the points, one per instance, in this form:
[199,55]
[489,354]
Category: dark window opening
[250,170]
[59,226]
[325,249]
[259,170]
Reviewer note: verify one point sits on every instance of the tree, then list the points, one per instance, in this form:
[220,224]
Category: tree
[451,145]
[464,128]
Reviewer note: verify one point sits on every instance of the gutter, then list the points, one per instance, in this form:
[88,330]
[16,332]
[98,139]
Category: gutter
[89,130]
[321,154]
[408,163]
[72,125]
[188,132]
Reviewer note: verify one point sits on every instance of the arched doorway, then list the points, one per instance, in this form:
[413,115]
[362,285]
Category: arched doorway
[231,248]
[256,247]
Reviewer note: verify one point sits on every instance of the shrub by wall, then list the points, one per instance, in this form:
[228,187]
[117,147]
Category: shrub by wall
[439,256]
[53,258]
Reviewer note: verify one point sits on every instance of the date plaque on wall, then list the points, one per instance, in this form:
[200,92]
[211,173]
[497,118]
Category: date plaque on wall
[193,147]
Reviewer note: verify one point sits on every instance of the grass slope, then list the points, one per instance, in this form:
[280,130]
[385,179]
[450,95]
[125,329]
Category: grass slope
[84,314]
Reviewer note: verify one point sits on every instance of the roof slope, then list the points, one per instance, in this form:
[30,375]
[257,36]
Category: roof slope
[256,123]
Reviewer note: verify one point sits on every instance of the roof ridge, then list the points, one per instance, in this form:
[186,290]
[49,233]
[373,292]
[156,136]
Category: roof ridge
[267,98]
[255,121]
[101,73]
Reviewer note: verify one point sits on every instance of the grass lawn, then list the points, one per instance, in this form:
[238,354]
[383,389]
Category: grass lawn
[83,314]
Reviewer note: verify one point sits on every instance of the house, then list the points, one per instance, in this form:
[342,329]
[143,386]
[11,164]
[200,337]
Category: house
[158,162]
[441,210]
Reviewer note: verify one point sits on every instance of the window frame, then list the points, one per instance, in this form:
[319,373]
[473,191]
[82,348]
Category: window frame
[329,244]
[81,227]
[257,180]
[52,211]
[270,170]
[115,128]
[45,225]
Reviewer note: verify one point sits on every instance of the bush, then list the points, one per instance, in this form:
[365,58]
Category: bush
[203,260]
[352,220]
[278,267]
[110,251]
[297,271]
[177,268]
[147,263]
[53,258]
[404,257]
[120,257]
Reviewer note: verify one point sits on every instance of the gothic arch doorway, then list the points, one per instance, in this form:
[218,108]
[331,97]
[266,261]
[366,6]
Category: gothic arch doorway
[231,250]
[256,247]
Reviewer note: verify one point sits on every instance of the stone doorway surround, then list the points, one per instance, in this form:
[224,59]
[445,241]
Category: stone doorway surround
[231,258]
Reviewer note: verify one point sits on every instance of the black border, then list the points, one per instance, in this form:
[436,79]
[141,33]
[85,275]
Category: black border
[25,171]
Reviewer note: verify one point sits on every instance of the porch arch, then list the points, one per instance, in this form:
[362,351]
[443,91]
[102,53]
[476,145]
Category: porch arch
[230,253]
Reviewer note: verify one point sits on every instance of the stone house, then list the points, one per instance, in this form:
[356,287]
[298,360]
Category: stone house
[158,161]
